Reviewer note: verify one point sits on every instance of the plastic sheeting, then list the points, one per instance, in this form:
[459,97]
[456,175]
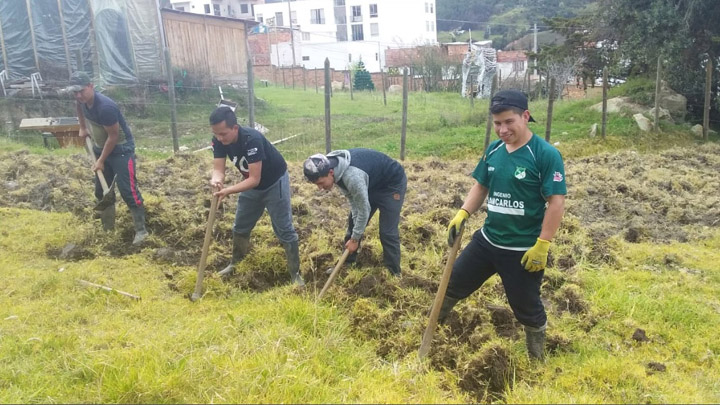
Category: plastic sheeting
[125,48]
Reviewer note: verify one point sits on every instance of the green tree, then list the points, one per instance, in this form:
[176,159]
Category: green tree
[685,33]
[363,80]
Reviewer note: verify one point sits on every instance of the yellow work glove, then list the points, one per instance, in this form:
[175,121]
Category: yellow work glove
[456,225]
[535,259]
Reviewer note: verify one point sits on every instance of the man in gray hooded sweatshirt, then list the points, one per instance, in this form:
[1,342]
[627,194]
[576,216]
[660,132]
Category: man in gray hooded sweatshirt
[371,181]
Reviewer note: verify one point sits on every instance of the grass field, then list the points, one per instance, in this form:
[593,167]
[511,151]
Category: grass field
[632,293]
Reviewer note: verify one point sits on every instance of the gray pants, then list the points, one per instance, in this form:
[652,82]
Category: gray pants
[276,198]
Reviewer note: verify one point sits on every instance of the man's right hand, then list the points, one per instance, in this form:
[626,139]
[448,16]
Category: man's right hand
[456,225]
[216,184]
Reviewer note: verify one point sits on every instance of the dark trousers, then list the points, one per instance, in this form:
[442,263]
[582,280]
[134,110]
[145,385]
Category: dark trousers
[121,165]
[480,260]
[389,202]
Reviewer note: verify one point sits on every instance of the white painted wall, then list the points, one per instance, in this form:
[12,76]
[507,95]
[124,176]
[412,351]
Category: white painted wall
[401,23]
[228,8]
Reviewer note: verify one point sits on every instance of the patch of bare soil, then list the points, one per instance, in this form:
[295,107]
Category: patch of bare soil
[487,374]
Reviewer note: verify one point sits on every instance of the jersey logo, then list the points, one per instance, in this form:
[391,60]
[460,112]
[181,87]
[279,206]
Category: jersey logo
[520,173]
[558,177]
[252,151]
[491,168]
[242,166]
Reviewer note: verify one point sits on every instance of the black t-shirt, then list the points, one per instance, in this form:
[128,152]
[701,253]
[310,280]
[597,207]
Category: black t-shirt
[251,147]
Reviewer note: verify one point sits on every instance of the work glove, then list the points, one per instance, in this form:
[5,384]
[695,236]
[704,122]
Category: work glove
[456,225]
[535,259]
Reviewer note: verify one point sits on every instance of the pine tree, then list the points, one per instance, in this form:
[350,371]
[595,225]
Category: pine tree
[363,80]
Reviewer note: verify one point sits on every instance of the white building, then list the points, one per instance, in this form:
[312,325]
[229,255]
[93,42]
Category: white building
[347,31]
[225,8]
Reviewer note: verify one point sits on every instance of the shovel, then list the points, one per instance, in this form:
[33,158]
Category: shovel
[206,246]
[108,192]
[439,297]
[334,273]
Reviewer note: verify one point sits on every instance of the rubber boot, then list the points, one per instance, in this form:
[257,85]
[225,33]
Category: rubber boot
[292,253]
[107,218]
[240,249]
[138,215]
[535,341]
[447,305]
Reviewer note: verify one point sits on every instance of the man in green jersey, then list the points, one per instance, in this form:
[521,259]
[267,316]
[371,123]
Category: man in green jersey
[523,178]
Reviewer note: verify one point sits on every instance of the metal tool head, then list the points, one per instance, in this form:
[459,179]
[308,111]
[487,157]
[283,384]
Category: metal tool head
[108,198]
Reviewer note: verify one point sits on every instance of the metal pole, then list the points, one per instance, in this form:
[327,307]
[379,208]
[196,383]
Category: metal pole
[384,85]
[64,35]
[404,114]
[32,35]
[292,39]
[171,95]
[328,144]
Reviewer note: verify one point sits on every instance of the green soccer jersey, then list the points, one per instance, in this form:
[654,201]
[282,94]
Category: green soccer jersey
[518,184]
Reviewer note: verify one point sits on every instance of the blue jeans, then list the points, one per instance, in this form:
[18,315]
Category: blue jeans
[276,199]
[121,165]
[480,260]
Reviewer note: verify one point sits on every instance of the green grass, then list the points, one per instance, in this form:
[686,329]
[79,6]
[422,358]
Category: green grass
[63,342]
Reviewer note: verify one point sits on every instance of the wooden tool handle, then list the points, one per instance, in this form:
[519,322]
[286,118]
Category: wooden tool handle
[334,273]
[99,173]
[206,246]
[440,296]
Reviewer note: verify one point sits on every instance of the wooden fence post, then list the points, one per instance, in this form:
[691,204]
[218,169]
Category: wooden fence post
[350,75]
[173,106]
[251,94]
[328,145]
[488,127]
[657,95]
[551,101]
[706,109]
[404,114]
[382,76]
[604,102]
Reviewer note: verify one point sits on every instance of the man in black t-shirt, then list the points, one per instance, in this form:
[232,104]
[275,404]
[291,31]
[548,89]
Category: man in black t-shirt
[114,148]
[265,185]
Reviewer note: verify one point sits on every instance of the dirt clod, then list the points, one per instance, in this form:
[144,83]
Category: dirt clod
[640,336]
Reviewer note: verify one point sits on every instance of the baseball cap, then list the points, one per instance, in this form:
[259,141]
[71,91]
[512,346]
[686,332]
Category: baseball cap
[78,80]
[316,166]
[509,98]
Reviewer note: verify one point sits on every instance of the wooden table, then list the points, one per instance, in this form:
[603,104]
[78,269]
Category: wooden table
[65,129]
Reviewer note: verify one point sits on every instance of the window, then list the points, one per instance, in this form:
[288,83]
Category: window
[374,29]
[373,10]
[431,8]
[376,56]
[259,17]
[317,16]
[293,17]
[339,3]
[243,8]
[427,25]
[519,66]
[349,57]
[305,36]
[306,58]
[427,8]
[357,32]
[230,13]
[216,9]
[179,8]
[356,14]
[279,19]
[207,9]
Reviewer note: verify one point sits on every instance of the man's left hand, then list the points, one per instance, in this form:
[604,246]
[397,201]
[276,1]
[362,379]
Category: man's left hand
[352,245]
[535,259]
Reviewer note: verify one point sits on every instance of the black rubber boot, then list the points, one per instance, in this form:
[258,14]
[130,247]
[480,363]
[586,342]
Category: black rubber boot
[107,218]
[535,341]
[292,253]
[447,305]
[241,247]
[138,215]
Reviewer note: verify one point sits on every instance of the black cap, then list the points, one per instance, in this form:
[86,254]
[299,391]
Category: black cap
[78,80]
[509,98]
